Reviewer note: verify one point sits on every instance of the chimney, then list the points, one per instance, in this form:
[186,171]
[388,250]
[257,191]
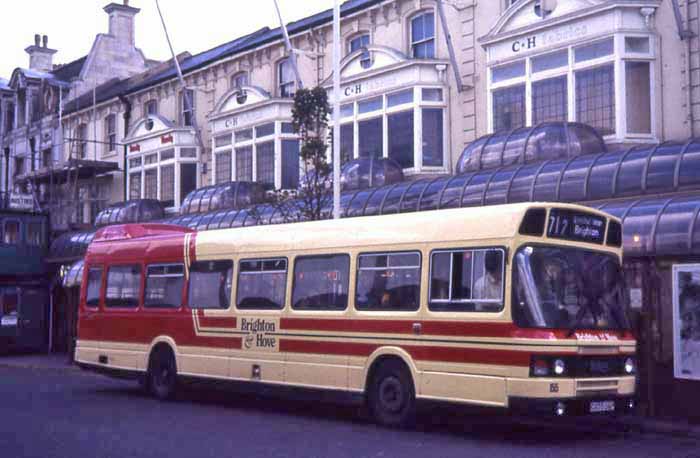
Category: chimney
[121,22]
[40,55]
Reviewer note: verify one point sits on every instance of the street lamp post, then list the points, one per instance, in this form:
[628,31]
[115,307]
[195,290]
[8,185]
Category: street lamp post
[336,110]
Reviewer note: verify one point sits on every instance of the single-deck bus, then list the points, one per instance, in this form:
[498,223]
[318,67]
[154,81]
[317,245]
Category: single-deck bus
[515,306]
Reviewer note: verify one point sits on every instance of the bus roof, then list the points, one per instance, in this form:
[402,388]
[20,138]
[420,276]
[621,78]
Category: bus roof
[478,223]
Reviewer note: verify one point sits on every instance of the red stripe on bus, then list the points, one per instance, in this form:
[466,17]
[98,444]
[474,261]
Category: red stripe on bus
[193,247]
[216,322]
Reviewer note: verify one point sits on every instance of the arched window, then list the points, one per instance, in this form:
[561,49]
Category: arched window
[423,35]
[285,77]
[361,41]
[239,80]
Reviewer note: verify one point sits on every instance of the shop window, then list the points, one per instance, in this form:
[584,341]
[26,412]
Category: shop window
[401,149]
[244,163]
[262,284]
[594,51]
[423,36]
[371,135]
[135,186]
[94,286]
[388,282]
[361,42]
[223,167]
[433,151]
[285,78]
[188,153]
[210,285]
[150,108]
[265,156]
[35,234]
[466,281]
[167,185]
[11,233]
[123,286]
[551,61]
[507,72]
[550,100]
[239,80]
[347,142]
[637,45]
[167,154]
[187,107]
[265,130]
[638,94]
[321,282]
[151,184]
[164,284]
[244,135]
[370,105]
[222,140]
[431,95]
[110,127]
[188,179]
[509,108]
[595,98]
[290,164]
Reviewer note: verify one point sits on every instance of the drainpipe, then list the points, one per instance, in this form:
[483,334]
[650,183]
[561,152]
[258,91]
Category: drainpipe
[127,122]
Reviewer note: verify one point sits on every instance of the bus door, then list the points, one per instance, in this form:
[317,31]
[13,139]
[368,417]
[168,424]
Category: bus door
[33,304]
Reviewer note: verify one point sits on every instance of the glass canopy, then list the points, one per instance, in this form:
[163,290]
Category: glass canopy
[370,172]
[133,211]
[222,196]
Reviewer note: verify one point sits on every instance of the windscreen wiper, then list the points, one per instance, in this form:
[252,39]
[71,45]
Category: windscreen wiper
[585,308]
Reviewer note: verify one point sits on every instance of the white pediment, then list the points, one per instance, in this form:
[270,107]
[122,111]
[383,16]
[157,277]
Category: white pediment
[523,14]
[240,98]
[149,126]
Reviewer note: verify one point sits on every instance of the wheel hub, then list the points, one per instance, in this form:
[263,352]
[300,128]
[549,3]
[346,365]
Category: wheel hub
[391,395]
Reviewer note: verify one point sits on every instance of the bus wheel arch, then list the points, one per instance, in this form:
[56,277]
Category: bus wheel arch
[390,388]
[161,371]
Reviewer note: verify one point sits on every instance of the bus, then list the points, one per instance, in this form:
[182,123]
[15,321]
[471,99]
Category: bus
[518,307]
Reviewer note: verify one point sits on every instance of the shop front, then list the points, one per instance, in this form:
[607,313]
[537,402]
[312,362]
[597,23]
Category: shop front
[395,107]
[162,162]
[253,140]
[589,61]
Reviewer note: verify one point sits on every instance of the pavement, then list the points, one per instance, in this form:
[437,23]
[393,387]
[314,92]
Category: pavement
[623,424]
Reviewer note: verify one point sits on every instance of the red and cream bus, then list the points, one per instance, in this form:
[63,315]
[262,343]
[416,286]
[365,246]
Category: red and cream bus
[515,306]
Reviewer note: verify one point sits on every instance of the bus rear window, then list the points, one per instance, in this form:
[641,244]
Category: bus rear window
[262,284]
[94,286]
[388,282]
[210,285]
[164,285]
[123,286]
[467,281]
[321,282]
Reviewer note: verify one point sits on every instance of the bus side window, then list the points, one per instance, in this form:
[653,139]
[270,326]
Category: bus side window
[466,281]
[262,284]
[164,283]
[94,287]
[388,282]
[210,285]
[321,282]
[123,286]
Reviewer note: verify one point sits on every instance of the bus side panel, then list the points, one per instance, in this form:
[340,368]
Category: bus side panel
[317,370]
[463,388]
[207,362]
[272,366]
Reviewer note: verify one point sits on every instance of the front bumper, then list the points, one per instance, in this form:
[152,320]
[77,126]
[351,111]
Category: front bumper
[597,406]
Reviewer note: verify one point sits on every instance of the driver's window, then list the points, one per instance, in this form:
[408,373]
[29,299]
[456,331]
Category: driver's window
[261,284]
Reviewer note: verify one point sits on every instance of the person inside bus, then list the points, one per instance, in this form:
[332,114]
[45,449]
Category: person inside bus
[490,285]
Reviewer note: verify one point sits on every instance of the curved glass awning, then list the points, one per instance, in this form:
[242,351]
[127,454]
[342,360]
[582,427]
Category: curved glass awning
[222,196]
[70,247]
[74,276]
[370,173]
[133,211]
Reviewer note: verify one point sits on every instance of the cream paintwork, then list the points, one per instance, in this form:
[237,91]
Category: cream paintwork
[460,228]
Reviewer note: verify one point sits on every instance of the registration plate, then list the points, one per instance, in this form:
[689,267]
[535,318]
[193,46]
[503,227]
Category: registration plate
[8,321]
[602,406]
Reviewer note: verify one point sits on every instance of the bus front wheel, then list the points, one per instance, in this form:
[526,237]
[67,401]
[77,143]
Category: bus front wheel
[392,396]
[162,374]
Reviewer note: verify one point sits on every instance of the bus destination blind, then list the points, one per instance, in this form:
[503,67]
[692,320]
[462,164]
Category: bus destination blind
[576,226]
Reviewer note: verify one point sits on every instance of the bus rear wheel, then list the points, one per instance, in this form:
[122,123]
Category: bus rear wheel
[392,396]
[162,374]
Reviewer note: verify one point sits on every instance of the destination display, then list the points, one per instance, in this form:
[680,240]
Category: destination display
[576,226]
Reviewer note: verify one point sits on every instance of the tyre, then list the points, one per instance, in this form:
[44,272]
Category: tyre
[162,374]
[392,395]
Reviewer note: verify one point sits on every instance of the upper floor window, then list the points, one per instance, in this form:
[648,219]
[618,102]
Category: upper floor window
[361,42]
[111,132]
[81,141]
[150,108]
[239,80]
[9,117]
[423,36]
[187,105]
[285,76]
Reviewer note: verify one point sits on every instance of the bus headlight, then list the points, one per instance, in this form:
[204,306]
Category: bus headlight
[559,367]
[630,366]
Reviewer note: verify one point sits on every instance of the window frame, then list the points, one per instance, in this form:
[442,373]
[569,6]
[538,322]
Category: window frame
[150,102]
[183,288]
[188,284]
[139,297]
[474,250]
[367,60]
[348,257]
[102,289]
[389,254]
[282,90]
[183,108]
[262,260]
[110,131]
[81,140]
[412,44]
